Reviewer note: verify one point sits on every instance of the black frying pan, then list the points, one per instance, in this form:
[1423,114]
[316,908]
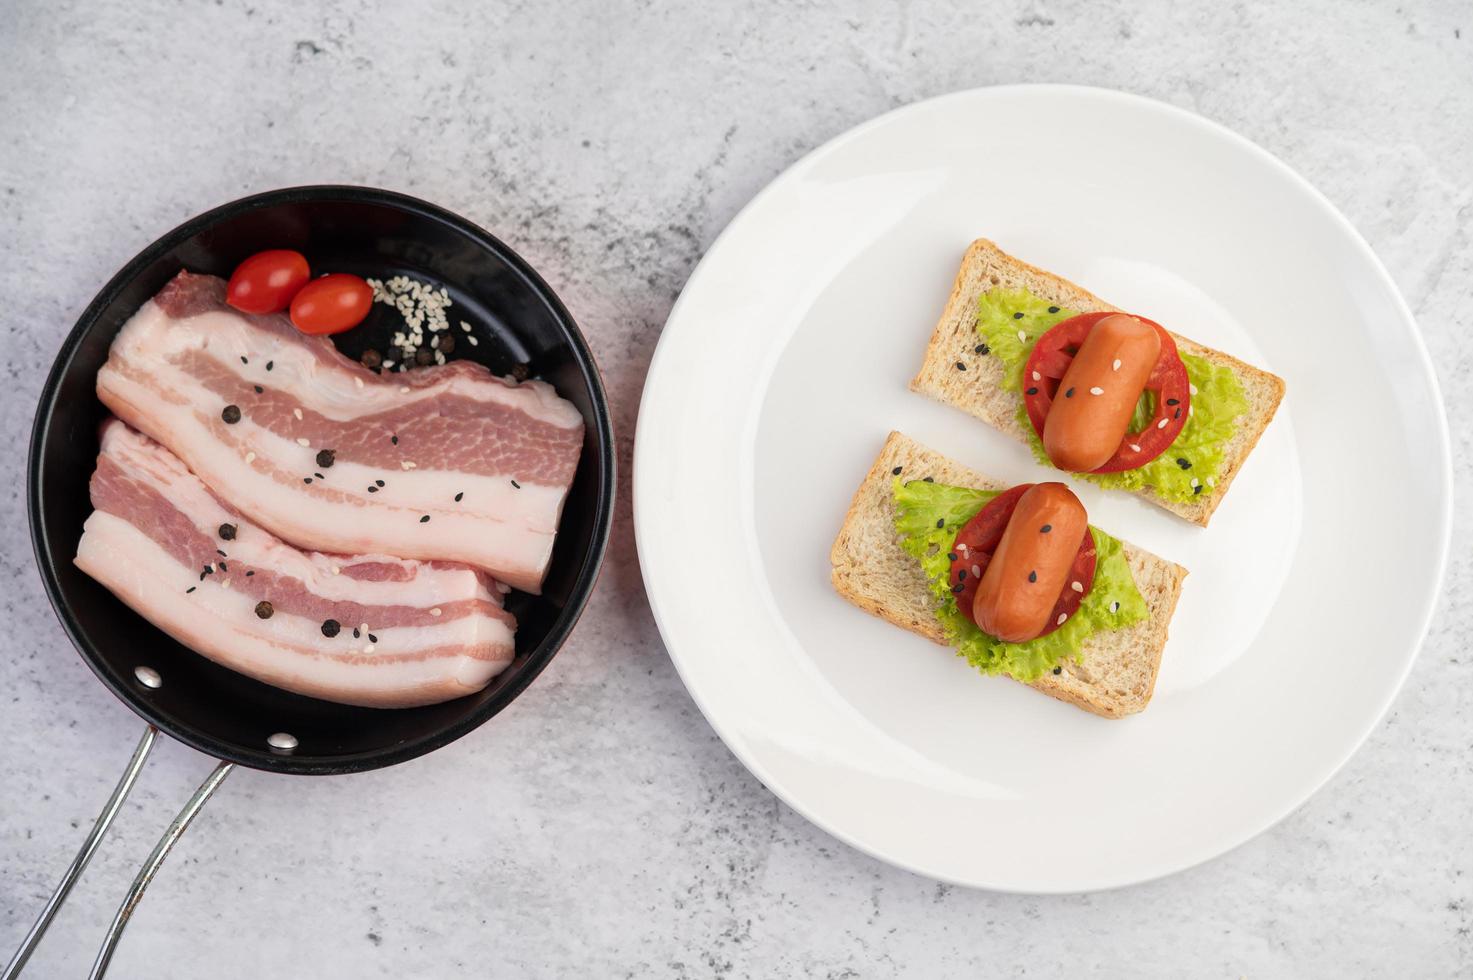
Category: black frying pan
[518,320]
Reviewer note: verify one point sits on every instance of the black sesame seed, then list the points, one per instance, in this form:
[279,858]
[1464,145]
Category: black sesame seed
[1069,393]
[956,589]
[378,483]
[458,496]
[425,519]
[306,479]
[895,471]
[1032,391]
[202,576]
[960,366]
[981,349]
[1045,529]
[224,567]
[928,479]
[1058,671]
[1053,309]
[372,638]
[221,553]
[951,556]
[940,522]
[331,628]
[394,440]
[1172,401]
[356,634]
[371,358]
[1114,607]
[231,414]
[1183,463]
[1178,414]
[270,365]
[249,574]
[1033,576]
[259,389]
[243,359]
[326,457]
[190,589]
[961,576]
[319,476]
[373,489]
[227,531]
[264,609]
[1017,316]
[1197,489]
[516,484]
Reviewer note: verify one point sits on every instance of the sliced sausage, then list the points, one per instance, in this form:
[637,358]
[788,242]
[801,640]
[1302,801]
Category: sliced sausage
[1028,570]
[1092,408]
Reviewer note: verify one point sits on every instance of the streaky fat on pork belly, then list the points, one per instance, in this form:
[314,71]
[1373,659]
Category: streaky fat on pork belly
[366,629]
[441,462]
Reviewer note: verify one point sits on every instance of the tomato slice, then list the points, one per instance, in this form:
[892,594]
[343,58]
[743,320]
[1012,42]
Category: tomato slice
[331,304]
[1168,382]
[267,281]
[972,550]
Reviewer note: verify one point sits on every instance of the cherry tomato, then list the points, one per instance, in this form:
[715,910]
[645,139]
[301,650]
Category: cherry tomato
[267,281]
[331,304]
[972,550]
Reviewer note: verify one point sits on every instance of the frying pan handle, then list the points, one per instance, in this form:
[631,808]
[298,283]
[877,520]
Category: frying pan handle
[151,866]
[145,874]
[79,863]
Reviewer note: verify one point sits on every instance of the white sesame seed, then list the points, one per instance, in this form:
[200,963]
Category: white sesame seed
[1022,337]
[1193,388]
[435,611]
[1077,586]
[1060,620]
[465,326]
[474,341]
[1194,481]
[336,569]
[148,677]
[403,389]
[439,358]
[250,457]
[962,548]
[1116,365]
[298,413]
[1096,390]
[977,571]
[303,442]
[503,588]
[364,627]
[1114,607]
[406,464]
[1037,376]
[358,381]
[388,364]
[1162,423]
[1134,448]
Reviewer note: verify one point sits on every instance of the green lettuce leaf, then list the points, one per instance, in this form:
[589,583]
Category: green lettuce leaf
[1113,602]
[1217,401]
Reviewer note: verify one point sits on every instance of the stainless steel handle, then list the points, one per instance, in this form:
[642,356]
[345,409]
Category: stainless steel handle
[145,874]
[79,863]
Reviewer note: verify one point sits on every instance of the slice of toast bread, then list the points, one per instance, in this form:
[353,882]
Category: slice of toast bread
[980,392]
[1118,673]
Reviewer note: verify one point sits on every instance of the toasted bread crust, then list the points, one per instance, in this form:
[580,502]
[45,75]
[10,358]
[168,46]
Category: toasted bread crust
[1118,674]
[979,391]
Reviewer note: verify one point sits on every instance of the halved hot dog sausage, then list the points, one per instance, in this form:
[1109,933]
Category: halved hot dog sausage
[1028,570]
[1091,410]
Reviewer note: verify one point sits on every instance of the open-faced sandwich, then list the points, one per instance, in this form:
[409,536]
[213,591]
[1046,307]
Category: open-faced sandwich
[1013,577]
[1114,398]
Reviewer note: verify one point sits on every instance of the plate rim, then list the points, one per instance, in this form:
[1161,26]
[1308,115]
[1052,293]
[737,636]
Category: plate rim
[1181,116]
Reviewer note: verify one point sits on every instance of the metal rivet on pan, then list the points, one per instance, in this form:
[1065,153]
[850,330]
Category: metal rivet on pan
[148,677]
[281,741]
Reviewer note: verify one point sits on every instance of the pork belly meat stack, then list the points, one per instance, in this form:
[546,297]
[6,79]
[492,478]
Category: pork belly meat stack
[366,629]
[442,462]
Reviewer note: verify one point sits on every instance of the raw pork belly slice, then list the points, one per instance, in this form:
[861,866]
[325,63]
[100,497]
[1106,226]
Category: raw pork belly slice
[330,455]
[405,633]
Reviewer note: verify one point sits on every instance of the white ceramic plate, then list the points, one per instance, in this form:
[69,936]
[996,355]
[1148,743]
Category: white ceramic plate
[785,363]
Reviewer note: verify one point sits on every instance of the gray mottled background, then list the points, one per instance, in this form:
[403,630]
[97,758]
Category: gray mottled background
[599,828]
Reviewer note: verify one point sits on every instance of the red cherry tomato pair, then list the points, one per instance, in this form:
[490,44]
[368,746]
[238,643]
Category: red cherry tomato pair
[278,279]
